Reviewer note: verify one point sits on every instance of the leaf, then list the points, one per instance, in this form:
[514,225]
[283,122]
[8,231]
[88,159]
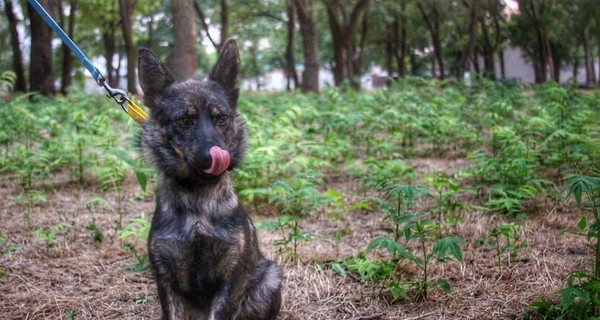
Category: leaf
[582,224]
[142,179]
[443,284]
[339,269]
[267,225]
[577,185]
[449,245]
[391,247]
[399,292]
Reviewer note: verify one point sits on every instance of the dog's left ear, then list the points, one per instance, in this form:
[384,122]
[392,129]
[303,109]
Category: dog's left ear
[227,70]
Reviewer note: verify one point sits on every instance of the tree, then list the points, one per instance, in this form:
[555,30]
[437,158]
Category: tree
[224,32]
[310,45]
[183,60]
[397,38]
[432,13]
[290,68]
[469,51]
[67,56]
[126,8]
[17,55]
[531,31]
[492,36]
[582,15]
[343,27]
[41,72]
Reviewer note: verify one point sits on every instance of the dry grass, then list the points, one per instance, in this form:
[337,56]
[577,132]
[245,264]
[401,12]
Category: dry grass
[90,280]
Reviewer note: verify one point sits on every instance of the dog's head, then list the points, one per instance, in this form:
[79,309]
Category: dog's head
[194,132]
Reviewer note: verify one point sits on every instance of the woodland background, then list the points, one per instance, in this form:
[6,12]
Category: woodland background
[434,38]
[453,191]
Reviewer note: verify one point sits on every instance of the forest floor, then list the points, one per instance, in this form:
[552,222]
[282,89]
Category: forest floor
[78,278]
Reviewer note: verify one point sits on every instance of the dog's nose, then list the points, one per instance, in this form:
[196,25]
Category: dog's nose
[204,160]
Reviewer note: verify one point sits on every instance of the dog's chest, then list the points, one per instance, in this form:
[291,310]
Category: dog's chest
[196,251]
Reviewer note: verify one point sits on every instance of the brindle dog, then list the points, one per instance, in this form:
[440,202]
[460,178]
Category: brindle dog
[202,244]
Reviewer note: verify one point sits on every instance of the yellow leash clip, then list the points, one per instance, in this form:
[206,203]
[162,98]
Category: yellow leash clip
[135,112]
[120,96]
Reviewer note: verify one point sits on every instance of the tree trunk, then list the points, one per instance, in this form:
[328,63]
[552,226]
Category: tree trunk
[109,52]
[290,73]
[463,59]
[357,60]
[400,59]
[502,65]
[150,26]
[310,45]
[433,25]
[342,34]
[488,65]
[118,70]
[41,73]
[183,59]
[475,61]
[590,73]
[413,64]
[17,54]
[598,78]
[126,8]
[224,23]
[67,56]
[390,54]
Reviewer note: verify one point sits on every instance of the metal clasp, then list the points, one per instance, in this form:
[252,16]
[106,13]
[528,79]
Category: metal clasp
[119,95]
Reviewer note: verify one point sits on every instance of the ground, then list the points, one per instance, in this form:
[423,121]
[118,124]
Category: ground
[78,278]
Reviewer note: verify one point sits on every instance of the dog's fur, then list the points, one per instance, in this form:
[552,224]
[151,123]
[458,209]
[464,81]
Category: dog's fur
[202,244]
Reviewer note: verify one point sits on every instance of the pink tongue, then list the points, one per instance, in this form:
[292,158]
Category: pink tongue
[220,161]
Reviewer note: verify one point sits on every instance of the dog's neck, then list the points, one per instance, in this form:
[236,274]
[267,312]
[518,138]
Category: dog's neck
[217,196]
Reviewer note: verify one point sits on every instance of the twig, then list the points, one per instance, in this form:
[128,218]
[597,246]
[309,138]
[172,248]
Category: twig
[371,317]
[420,317]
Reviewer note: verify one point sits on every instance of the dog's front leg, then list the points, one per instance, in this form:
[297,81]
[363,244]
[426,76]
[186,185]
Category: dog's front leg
[173,306]
[224,304]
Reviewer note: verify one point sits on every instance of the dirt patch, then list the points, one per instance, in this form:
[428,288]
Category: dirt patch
[83,279]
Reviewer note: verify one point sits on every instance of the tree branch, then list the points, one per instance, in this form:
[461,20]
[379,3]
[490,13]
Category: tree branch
[202,18]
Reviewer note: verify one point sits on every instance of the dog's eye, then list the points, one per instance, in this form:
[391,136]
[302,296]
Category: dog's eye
[183,122]
[222,119]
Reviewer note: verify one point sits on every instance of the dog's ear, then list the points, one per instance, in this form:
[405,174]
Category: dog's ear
[227,70]
[154,75]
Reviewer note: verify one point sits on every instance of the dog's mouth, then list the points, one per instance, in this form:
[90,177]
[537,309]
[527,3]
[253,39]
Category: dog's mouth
[220,161]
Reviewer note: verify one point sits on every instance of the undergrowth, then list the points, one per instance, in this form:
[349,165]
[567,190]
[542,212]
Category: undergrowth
[523,145]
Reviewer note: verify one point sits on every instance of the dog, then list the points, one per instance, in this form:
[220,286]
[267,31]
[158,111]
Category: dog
[202,245]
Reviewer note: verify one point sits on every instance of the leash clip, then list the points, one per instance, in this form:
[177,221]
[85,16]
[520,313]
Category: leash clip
[119,95]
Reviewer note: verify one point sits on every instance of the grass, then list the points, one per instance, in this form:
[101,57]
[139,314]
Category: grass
[484,155]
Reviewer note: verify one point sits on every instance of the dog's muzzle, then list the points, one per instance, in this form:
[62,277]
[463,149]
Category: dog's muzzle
[219,161]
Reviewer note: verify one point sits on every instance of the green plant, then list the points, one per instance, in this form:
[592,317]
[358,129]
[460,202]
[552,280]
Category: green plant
[136,232]
[95,232]
[145,299]
[7,248]
[506,239]
[142,262]
[7,80]
[582,294]
[295,200]
[29,199]
[72,314]
[406,227]
[446,192]
[48,235]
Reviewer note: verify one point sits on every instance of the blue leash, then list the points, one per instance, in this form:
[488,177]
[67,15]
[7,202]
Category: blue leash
[119,95]
[87,63]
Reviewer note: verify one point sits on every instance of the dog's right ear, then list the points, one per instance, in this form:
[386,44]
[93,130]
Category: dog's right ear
[227,70]
[154,75]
